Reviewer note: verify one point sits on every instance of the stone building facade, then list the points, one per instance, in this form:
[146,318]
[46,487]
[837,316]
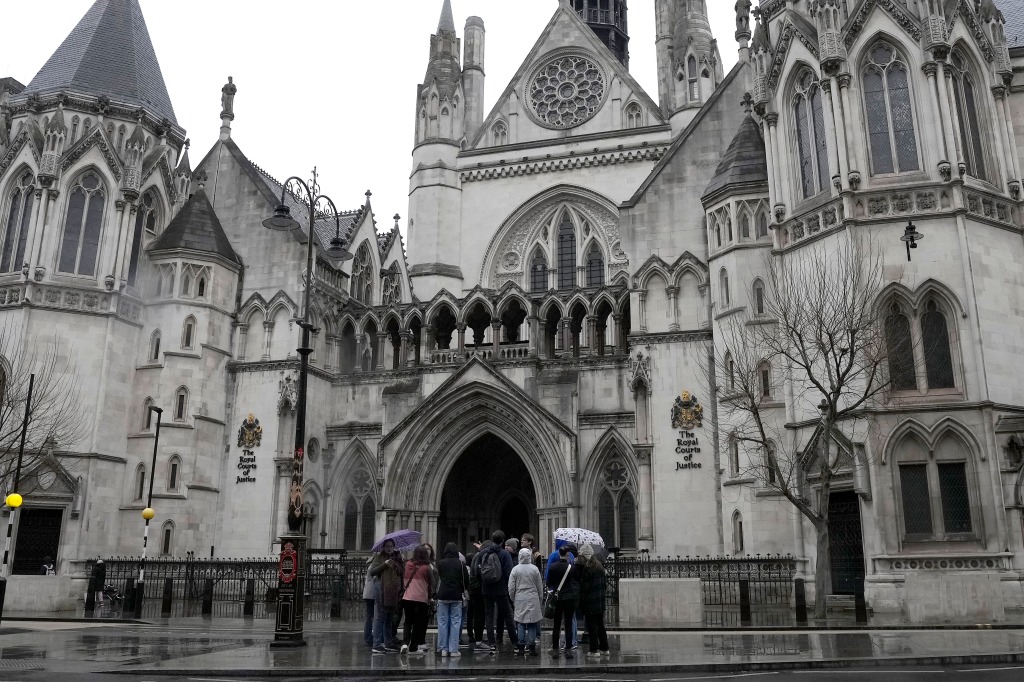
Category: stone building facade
[513,361]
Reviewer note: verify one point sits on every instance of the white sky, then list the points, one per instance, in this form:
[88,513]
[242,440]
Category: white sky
[330,83]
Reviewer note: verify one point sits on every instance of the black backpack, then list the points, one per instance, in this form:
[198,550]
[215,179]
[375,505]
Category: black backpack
[490,568]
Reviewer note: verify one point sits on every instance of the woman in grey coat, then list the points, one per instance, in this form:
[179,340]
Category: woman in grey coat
[526,590]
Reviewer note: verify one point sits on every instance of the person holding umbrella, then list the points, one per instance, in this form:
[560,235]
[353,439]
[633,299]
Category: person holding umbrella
[388,569]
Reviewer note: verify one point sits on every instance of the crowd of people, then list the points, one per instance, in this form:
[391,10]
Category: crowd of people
[505,586]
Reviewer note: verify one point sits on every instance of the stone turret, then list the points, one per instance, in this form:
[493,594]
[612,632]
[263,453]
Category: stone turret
[441,98]
[473,74]
[54,135]
[696,61]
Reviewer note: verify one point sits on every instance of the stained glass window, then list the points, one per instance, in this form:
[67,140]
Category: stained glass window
[967,112]
[18,217]
[634,116]
[392,294]
[538,272]
[938,360]
[595,267]
[361,288]
[627,520]
[351,524]
[812,146]
[887,103]
[369,516]
[917,516]
[745,227]
[566,253]
[82,227]
[956,506]
[606,516]
[901,351]
[762,225]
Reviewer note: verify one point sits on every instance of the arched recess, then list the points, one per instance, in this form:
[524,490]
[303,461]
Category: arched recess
[354,499]
[421,451]
[611,491]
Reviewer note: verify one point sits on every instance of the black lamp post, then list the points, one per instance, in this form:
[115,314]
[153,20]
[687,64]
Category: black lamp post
[148,513]
[291,576]
[911,236]
[13,499]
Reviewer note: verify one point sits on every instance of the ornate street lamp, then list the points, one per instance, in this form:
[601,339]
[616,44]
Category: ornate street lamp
[291,576]
[911,236]
[148,513]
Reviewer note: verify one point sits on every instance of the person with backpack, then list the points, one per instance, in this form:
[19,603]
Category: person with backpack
[495,569]
[476,611]
[454,580]
[564,581]
[592,594]
[526,589]
[419,589]
[387,567]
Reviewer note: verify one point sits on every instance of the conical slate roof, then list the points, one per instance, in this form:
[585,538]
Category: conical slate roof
[744,162]
[196,228]
[109,53]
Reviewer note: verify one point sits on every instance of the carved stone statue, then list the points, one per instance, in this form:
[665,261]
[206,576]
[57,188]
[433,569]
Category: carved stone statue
[742,8]
[288,395]
[5,126]
[227,99]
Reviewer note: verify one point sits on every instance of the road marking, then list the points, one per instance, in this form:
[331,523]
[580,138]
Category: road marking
[869,670]
[984,670]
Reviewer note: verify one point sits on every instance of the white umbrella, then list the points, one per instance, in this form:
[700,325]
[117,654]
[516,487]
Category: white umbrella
[579,536]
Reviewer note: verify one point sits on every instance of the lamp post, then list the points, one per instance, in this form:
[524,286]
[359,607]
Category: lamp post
[911,236]
[148,514]
[14,500]
[291,574]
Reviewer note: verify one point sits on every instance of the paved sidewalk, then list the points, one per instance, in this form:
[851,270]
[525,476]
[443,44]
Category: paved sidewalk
[242,649]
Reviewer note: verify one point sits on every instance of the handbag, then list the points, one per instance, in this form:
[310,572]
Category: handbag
[551,602]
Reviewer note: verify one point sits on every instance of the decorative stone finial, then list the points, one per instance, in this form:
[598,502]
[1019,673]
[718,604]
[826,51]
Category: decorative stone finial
[397,218]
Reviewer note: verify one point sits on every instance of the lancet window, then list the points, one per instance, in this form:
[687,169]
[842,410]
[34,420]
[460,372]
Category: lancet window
[812,146]
[889,113]
[15,233]
[83,225]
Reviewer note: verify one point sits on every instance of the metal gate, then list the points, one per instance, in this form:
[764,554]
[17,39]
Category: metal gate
[845,542]
[38,538]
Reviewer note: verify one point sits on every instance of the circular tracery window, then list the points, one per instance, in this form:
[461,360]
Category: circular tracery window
[566,92]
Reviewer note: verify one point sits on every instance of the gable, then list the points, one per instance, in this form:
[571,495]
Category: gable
[569,84]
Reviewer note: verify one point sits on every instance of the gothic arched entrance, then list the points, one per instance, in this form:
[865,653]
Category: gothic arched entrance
[488,488]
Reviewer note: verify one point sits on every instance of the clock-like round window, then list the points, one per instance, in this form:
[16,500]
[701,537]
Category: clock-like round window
[566,92]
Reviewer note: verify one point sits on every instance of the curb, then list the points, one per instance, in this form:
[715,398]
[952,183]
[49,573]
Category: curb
[57,619]
[597,669]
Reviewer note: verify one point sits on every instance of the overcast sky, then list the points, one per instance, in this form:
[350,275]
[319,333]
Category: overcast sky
[330,83]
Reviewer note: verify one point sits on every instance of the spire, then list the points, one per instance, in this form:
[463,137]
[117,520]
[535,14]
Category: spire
[447,22]
[196,228]
[109,53]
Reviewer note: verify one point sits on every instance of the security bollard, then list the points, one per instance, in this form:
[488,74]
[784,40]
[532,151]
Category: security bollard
[166,603]
[745,602]
[250,597]
[208,597]
[801,601]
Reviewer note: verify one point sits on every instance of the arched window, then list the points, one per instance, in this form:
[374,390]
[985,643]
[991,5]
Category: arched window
[201,288]
[723,281]
[86,127]
[566,253]
[140,482]
[938,360]
[737,532]
[180,404]
[83,224]
[734,455]
[964,93]
[730,371]
[745,227]
[361,288]
[145,218]
[538,272]
[616,505]
[935,489]
[764,375]
[762,225]
[810,134]
[691,76]
[188,333]
[15,233]
[595,266]
[367,523]
[890,116]
[718,233]
[350,539]
[173,473]
[392,294]
[358,523]
[728,230]
[154,346]
[74,129]
[147,414]
[634,116]
[120,138]
[186,286]
[902,374]
[758,296]
[499,134]
[167,538]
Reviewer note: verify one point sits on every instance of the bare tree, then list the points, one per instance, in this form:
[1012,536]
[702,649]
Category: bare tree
[57,417]
[818,326]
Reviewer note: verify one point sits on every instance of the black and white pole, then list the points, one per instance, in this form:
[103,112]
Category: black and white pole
[14,500]
[147,514]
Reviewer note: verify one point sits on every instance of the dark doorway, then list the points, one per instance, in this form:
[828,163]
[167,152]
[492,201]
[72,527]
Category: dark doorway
[488,489]
[38,538]
[845,541]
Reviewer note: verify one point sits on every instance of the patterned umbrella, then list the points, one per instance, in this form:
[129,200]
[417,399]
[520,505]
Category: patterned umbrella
[404,540]
[579,536]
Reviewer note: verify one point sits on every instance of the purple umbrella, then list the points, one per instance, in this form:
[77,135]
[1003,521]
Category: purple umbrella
[404,540]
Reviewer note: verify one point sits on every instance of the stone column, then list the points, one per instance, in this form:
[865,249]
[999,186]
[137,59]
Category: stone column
[930,69]
[833,130]
[643,311]
[125,212]
[1011,139]
[617,335]
[496,338]
[462,337]
[773,173]
[591,329]
[382,339]
[533,322]
[242,341]
[853,128]
[427,343]
[542,339]
[1005,153]
[314,357]
[403,350]
[949,123]
[268,335]
[567,350]
[673,295]
[357,366]
[643,457]
[581,274]
[781,175]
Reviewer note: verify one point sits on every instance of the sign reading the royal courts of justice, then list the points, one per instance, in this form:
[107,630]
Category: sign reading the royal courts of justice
[250,435]
[687,415]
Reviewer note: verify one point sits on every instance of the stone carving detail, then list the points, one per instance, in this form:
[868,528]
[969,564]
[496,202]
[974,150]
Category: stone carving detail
[566,92]
[510,261]
[640,371]
[895,10]
[687,413]
[288,391]
[989,208]
[250,433]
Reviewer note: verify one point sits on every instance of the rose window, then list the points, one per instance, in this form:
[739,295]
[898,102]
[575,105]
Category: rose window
[567,92]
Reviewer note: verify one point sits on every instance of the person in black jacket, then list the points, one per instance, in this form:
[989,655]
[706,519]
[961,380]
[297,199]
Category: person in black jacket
[454,579]
[568,598]
[592,594]
[99,579]
[496,593]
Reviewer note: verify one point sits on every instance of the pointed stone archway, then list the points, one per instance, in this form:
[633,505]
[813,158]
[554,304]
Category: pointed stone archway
[422,451]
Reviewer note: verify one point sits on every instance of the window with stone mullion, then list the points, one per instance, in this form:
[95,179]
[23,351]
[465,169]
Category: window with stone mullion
[970,127]
[16,234]
[566,254]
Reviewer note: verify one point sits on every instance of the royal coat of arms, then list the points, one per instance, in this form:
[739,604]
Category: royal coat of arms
[250,434]
[687,413]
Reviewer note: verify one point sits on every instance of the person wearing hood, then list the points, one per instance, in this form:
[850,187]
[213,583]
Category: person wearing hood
[564,580]
[453,583]
[388,567]
[592,594]
[526,589]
